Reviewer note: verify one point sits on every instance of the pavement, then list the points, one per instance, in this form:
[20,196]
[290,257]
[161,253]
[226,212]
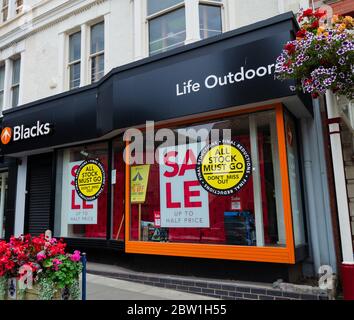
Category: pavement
[103,288]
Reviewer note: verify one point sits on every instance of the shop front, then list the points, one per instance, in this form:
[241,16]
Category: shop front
[153,200]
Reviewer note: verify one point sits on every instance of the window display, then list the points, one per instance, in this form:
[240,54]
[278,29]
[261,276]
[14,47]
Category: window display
[74,216]
[176,208]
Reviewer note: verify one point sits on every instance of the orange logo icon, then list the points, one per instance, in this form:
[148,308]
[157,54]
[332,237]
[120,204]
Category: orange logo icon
[6,135]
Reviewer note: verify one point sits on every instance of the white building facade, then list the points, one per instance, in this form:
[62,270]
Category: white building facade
[36,37]
[54,47]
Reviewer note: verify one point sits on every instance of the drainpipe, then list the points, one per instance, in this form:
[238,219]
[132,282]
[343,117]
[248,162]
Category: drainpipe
[341,195]
[311,198]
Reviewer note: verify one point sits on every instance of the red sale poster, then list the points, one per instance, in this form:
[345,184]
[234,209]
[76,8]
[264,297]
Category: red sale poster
[183,201]
[78,211]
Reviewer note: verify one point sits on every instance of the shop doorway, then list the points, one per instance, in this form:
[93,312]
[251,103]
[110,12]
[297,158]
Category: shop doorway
[3,199]
[39,215]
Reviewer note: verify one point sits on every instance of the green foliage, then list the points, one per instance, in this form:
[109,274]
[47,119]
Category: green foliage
[3,287]
[47,289]
[65,273]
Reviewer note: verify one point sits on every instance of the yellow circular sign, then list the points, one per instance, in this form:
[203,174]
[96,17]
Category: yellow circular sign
[90,180]
[223,167]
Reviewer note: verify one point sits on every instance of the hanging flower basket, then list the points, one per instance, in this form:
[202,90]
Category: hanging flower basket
[322,56]
[38,268]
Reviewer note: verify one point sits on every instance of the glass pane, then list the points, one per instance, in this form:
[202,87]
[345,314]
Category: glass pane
[97,38]
[2,77]
[1,100]
[210,21]
[118,193]
[15,95]
[158,5]
[16,71]
[75,71]
[176,208]
[3,191]
[97,68]
[294,179]
[75,47]
[75,217]
[167,32]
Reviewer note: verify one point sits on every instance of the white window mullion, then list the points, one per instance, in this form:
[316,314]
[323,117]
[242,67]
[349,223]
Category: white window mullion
[281,6]
[7,84]
[22,67]
[192,21]
[63,76]
[138,30]
[257,188]
[107,51]
[12,8]
[84,55]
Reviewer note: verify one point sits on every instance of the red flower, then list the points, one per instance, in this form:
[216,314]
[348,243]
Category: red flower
[301,33]
[290,47]
[307,13]
[288,63]
[319,14]
[315,24]
[315,95]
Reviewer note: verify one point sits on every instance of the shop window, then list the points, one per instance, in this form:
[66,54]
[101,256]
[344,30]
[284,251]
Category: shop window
[170,212]
[3,199]
[118,191]
[2,86]
[294,181]
[210,21]
[97,52]
[75,217]
[75,60]
[15,86]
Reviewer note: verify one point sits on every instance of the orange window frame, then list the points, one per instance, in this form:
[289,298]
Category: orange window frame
[216,251]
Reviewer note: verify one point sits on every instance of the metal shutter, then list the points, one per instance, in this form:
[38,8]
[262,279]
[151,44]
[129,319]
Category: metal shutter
[39,187]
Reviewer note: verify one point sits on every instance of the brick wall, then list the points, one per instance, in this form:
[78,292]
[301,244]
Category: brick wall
[225,290]
[343,7]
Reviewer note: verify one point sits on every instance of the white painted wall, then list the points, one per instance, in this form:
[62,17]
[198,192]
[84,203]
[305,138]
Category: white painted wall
[41,34]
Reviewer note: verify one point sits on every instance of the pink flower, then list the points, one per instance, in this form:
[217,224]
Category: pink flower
[41,256]
[56,264]
[76,256]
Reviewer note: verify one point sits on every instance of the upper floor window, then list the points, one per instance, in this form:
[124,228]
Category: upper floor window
[75,60]
[15,84]
[209,20]
[168,27]
[19,6]
[5,10]
[10,8]
[97,52]
[85,61]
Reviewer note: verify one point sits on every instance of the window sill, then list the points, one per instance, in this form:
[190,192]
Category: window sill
[213,251]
